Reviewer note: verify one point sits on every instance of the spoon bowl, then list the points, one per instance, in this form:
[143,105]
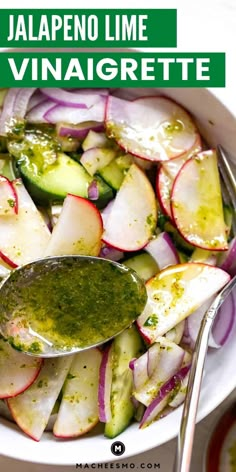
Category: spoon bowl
[64,304]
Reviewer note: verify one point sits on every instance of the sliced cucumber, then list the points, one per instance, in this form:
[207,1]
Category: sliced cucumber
[228,217]
[125,161]
[125,347]
[50,174]
[144,264]
[112,174]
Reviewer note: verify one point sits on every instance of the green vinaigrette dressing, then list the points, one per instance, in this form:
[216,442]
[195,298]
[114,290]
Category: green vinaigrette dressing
[69,303]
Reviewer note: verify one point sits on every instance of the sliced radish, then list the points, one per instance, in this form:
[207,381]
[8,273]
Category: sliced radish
[8,198]
[133,216]
[175,293]
[15,248]
[175,334]
[31,410]
[17,370]
[164,184]
[167,174]
[78,229]
[169,360]
[196,203]
[163,250]
[163,397]
[173,166]
[78,411]
[104,388]
[154,128]
[96,158]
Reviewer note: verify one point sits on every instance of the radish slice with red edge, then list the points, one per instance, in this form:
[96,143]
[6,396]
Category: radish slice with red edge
[15,248]
[104,385]
[78,411]
[227,260]
[170,358]
[164,185]
[8,198]
[163,250]
[74,115]
[153,128]
[17,370]
[173,166]
[78,229]
[163,397]
[196,203]
[133,216]
[175,293]
[167,174]
[32,409]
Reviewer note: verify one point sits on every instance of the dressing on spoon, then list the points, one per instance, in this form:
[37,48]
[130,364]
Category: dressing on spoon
[60,305]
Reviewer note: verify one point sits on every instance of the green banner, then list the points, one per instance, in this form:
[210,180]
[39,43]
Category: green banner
[88,28]
[92,69]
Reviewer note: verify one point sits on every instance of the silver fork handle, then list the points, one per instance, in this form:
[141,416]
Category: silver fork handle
[188,421]
[187,428]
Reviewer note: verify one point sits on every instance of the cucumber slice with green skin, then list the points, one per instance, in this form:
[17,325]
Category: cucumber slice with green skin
[125,347]
[112,174]
[67,176]
[144,264]
[49,174]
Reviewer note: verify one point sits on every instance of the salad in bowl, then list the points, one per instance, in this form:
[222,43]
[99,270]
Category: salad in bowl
[126,176]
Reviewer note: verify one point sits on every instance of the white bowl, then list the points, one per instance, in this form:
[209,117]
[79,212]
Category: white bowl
[217,125]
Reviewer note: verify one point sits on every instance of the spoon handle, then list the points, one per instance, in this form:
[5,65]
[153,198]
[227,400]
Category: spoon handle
[187,428]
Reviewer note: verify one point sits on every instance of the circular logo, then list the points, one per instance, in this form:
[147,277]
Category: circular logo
[117,448]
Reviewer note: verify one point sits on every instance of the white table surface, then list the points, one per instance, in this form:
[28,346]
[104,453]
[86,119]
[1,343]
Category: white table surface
[204,25]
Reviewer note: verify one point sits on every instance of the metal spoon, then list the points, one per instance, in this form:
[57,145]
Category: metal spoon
[61,305]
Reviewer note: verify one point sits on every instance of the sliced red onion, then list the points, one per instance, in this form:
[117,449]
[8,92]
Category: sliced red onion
[169,361]
[93,192]
[139,370]
[180,395]
[222,326]
[35,100]
[38,112]
[162,398]
[104,387]
[79,131]
[8,109]
[21,102]
[224,322]
[153,358]
[82,99]
[193,322]
[111,253]
[76,115]
[163,250]
[227,260]
[175,334]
